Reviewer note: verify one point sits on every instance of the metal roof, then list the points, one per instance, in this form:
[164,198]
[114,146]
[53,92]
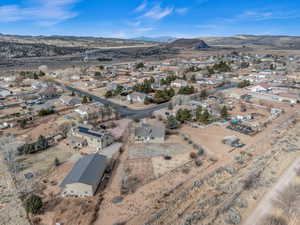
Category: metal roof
[88,170]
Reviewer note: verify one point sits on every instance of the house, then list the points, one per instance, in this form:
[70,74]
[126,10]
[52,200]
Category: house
[96,111]
[287,97]
[48,92]
[95,138]
[70,100]
[112,86]
[85,177]
[149,134]
[4,93]
[261,87]
[179,83]
[136,97]
[77,142]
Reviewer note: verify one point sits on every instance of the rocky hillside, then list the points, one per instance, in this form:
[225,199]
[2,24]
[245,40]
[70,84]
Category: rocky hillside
[19,50]
[14,46]
[188,44]
[253,41]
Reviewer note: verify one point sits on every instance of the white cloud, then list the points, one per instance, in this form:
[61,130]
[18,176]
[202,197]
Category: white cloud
[157,12]
[141,7]
[182,11]
[42,12]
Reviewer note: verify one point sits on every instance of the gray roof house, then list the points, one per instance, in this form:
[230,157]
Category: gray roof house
[149,134]
[85,177]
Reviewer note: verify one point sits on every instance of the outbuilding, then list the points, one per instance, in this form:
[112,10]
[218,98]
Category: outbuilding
[85,177]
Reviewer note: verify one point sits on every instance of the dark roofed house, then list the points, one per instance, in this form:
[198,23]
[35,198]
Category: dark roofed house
[85,177]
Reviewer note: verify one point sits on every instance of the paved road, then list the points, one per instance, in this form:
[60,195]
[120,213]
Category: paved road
[265,205]
[123,110]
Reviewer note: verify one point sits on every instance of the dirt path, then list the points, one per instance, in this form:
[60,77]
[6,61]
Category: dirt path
[265,205]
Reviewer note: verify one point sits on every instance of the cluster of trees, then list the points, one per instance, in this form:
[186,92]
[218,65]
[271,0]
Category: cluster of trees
[41,144]
[184,115]
[46,112]
[86,99]
[162,96]
[221,67]
[192,69]
[244,83]
[139,65]
[187,90]
[116,92]
[203,116]
[33,75]
[168,80]
[145,87]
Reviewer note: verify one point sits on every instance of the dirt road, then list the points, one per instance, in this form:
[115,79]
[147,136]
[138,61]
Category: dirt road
[265,205]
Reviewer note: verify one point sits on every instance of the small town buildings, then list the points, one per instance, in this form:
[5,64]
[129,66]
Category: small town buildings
[147,133]
[85,177]
[98,139]
[136,97]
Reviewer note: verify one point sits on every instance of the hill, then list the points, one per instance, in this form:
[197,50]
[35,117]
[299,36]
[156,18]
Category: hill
[188,44]
[255,41]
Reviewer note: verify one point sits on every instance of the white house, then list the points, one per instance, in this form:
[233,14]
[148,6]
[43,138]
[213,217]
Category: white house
[4,93]
[136,97]
[179,83]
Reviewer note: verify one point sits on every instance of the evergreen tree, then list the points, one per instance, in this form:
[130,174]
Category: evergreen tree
[172,123]
[84,100]
[224,112]
[34,204]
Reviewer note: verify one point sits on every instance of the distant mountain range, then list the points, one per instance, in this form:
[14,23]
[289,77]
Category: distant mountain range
[162,39]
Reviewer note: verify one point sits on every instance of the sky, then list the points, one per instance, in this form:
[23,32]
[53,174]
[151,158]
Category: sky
[134,18]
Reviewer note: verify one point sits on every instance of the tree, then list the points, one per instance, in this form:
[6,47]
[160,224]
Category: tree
[97,74]
[198,113]
[203,94]
[73,93]
[23,123]
[172,123]
[84,100]
[193,78]
[187,90]
[56,162]
[244,83]
[46,112]
[90,98]
[33,204]
[35,76]
[204,117]
[139,65]
[183,115]
[224,112]
[108,94]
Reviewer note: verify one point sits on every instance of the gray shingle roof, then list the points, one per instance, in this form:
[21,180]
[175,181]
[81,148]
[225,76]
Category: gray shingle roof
[88,170]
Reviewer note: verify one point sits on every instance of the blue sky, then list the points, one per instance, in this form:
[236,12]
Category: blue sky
[132,18]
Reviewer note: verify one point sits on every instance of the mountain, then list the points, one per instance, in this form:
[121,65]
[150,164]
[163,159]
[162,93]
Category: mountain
[188,44]
[162,39]
[255,41]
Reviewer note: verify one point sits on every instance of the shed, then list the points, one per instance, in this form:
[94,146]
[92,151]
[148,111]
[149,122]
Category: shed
[85,177]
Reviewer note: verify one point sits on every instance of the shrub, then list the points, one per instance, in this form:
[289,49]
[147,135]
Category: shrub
[33,204]
[198,162]
[56,162]
[193,155]
[274,220]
